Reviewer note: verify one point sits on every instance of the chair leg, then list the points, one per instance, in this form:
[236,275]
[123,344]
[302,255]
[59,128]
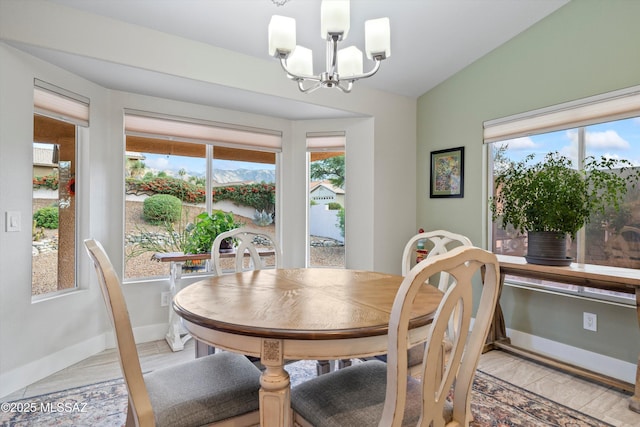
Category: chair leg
[131,422]
[344,363]
[323,367]
[203,349]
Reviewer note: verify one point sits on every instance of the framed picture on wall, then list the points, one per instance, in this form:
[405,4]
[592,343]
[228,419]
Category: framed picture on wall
[447,173]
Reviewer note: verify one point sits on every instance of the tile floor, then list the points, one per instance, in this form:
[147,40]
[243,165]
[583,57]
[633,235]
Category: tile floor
[601,402]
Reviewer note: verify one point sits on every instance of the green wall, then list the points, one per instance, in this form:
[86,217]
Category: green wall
[585,48]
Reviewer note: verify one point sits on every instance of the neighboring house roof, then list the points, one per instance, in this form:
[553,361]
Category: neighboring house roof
[133,155]
[326,184]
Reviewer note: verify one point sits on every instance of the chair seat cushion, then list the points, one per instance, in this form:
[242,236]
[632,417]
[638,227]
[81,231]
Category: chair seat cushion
[205,390]
[415,355]
[352,396]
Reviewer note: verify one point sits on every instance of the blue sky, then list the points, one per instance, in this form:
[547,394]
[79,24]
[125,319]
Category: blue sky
[619,139]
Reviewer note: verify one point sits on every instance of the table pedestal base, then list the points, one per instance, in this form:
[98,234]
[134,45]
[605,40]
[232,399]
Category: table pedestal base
[275,397]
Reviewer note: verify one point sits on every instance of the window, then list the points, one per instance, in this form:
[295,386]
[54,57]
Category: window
[177,169]
[602,126]
[55,162]
[326,160]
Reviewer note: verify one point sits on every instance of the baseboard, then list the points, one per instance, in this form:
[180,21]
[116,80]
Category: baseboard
[150,332]
[25,375]
[141,334]
[616,368]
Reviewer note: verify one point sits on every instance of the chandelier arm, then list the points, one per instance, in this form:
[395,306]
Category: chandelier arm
[375,69]
[310,89]
[296,77]
[345,89]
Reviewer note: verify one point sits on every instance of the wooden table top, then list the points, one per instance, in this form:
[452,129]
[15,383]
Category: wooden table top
[304,304]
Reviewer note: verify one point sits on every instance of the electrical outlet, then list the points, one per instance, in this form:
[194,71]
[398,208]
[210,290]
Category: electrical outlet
[165,298]
[590,321]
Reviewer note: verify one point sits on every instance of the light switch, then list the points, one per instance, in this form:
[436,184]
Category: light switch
[13,221]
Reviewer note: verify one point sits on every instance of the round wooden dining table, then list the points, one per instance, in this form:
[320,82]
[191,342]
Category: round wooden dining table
[292,314]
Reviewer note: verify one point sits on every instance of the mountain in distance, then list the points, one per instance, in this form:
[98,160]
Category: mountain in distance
[223,176]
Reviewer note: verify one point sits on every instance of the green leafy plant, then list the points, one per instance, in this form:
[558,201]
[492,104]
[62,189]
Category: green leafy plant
[161,208]
[206,228]
[46,217]
[334,206]
[553,196]
[341,221]
[173,238]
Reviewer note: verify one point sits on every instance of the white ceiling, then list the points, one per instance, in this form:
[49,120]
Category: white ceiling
[431,40]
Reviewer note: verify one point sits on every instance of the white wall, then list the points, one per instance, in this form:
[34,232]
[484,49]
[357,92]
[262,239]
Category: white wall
[41,338]
[30,333]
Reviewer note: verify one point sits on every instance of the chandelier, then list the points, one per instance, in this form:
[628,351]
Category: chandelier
[344,66]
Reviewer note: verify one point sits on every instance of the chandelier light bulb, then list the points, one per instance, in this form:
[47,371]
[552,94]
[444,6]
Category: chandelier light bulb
[377,33]
[282,35]
[300,61]
[349,62]
[334,18]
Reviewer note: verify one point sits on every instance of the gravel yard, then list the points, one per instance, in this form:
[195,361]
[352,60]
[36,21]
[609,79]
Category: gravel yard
[324,252]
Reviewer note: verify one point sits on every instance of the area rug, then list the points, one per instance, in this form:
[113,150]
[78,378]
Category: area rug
[494,403]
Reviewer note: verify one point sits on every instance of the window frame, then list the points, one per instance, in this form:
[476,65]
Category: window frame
[322,142]
[210,135]
[62,105]
[578,115]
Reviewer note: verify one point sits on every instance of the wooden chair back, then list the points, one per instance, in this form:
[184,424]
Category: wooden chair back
[457,369]
[140,410]
[246,240]
[436,242]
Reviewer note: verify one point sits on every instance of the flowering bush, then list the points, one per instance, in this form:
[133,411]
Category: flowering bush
[259,196]
[183,190]
[47,181]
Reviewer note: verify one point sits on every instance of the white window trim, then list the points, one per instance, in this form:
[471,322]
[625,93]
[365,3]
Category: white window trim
[621,104]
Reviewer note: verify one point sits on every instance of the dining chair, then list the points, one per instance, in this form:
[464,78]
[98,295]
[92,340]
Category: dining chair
[383,394]
[220,390]
[434,243]
[246,240]
[249,241]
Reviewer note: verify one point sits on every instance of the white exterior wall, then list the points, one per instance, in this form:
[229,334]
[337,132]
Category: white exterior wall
[324,223]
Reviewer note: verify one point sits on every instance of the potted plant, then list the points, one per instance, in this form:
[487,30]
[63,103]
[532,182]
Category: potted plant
[206,228]
[551,200]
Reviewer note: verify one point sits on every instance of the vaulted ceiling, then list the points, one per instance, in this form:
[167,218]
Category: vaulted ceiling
[431,40]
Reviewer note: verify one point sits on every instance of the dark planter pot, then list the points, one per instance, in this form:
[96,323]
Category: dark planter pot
[226,245]
[547,248]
